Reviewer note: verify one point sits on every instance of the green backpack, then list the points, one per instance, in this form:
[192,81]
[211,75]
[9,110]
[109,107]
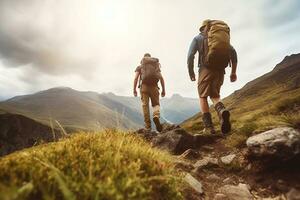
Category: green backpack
[150,70]
[216,45]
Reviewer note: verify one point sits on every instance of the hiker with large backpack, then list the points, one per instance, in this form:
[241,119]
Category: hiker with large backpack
[215,54]
[148,75]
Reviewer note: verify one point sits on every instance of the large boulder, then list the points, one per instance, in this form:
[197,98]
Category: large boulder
[176,141]
[279,143]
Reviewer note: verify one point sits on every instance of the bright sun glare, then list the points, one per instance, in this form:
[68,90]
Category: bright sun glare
[113,16]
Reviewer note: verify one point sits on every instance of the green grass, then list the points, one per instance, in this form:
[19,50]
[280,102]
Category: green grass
[292,120]
[267,109]
[108,165]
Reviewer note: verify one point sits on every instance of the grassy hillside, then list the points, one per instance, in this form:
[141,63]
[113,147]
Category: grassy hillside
[74,109]
[111,165]
[269,101]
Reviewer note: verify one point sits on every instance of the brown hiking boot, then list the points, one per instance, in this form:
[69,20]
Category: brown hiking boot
[157,124]
[224,116]
[209,127]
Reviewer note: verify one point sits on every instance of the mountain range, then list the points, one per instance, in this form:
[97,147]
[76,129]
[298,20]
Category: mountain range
[90,110]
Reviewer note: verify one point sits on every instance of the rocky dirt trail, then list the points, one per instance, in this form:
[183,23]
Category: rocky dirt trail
[268,167]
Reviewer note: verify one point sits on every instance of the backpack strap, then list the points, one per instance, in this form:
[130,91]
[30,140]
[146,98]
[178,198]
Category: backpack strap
[140,80]
[204,47]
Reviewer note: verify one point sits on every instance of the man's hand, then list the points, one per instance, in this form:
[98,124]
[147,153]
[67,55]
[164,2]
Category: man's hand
[193,78]
[233,77]
[135,93]
[163,93]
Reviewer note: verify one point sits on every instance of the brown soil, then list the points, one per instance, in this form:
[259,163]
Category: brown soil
[264,179]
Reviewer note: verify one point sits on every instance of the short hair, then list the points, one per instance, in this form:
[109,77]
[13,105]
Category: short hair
[147,55]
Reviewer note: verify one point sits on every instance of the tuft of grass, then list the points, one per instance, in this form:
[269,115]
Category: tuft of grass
[235,140]
[108,165]
[291,119]
[287,104]
[240,134]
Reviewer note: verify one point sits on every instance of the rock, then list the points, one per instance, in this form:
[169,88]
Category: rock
[227,180]
[240,192]
[189,154]
[220,196]
[196,185]
[293,194]
[185,166]
[273,198]
[176,141]
[204,140]
[168,127]
[213,177]
[205,162]
[248,167]
[228,159]
[146,134]
[281,185]
[279,143]
[207,148]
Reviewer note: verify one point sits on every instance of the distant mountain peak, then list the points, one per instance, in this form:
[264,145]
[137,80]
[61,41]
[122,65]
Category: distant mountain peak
[176,96]
[288,61]
[110,94]
[61,88]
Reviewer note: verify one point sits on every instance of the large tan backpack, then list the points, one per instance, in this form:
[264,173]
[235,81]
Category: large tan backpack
[216,45]
[150,70]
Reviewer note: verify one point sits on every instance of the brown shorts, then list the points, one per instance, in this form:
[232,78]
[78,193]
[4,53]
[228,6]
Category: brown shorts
[151,92]
[210,82]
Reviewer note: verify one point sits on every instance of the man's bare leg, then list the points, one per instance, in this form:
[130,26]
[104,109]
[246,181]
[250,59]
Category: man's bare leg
[204,105]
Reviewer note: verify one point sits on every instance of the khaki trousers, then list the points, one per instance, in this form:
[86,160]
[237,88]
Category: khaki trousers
[150,93]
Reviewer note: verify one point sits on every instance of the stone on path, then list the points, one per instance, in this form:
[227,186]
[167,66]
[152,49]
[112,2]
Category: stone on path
[293,194]
[205,162]
[228,159]
[195,184]
[240,192]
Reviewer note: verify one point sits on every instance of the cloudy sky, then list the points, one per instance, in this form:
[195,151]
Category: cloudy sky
[96,44]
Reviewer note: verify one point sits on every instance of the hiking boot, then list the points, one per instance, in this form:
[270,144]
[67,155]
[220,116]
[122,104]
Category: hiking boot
[210,130]
[224,116]
[157,124]
[208,125]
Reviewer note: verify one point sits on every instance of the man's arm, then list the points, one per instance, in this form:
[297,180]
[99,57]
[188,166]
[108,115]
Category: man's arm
[135,82]
[162,82]
[233,60]
[190,60]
